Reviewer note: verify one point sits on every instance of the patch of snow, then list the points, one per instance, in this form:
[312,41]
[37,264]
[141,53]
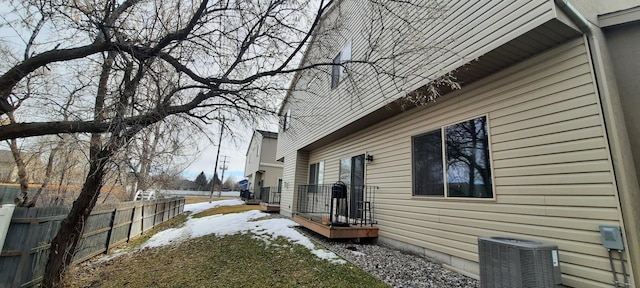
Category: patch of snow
[357,253]
[229,224]
[115,254]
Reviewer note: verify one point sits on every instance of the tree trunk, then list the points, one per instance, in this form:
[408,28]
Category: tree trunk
[23,197]
[64,245]
[47,175]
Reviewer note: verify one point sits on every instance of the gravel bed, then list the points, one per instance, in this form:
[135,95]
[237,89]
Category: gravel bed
[394,267]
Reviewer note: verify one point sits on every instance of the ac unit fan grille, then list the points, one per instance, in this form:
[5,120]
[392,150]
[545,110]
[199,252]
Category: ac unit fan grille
[507,263]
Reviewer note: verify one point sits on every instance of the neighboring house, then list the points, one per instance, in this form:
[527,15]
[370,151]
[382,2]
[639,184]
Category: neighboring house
[261,168]
[8,168]
[540,142]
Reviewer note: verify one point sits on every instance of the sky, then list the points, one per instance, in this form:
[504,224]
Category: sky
[234,145]
[234,223]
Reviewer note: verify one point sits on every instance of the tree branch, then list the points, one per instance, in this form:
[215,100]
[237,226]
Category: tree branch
[9,79]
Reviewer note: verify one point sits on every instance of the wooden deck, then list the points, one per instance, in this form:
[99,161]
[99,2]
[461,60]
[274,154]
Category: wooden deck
[337,232]
[252,201]
[266,207]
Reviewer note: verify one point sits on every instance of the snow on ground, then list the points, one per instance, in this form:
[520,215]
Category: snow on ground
[234,223]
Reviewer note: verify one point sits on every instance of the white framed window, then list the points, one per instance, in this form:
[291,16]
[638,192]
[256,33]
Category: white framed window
[339,70]
[316,173]
[453,161]
[344,173]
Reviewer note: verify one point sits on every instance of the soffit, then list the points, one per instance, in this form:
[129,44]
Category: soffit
[619,17]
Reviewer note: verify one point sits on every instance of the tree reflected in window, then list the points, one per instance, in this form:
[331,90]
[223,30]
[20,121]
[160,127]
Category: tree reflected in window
[468,164]
[428,174]
[466,171]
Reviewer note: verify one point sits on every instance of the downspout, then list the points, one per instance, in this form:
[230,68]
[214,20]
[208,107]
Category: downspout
[619,145]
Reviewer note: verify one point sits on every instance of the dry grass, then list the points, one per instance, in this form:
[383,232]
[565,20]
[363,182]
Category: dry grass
[210,261]
[226,210]
[231,261]
[200,199]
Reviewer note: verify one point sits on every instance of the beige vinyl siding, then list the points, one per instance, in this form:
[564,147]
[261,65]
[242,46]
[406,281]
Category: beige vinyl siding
[294,173]
[460,32]
[252,161]
[551,167]
[288,180]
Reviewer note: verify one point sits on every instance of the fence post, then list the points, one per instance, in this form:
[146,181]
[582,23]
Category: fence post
[113,220]
[155,213]
[142,219]
[6,211]
[133,217]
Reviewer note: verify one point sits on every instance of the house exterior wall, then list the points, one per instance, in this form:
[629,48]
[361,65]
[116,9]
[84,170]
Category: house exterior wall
[590,9]
[8,171]
[551,167]
[268,163]
[551,160]
[460,32]
[252,161]
[295,173]
[622,47]
[260,163]
[271,176]
[624,44]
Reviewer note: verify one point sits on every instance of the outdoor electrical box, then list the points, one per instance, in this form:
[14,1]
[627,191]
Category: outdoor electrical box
[611,237]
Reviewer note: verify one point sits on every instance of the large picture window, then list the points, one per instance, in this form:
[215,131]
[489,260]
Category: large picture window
[453,161]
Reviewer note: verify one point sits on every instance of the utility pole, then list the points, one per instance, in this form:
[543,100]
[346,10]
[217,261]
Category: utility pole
[224,167]
[215,169]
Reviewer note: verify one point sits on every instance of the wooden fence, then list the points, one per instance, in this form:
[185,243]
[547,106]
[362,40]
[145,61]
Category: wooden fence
[8,194]
[26,249]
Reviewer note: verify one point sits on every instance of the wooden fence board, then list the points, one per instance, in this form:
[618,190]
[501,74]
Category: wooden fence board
[26,249]
[148,216]
[159,213]
[136,222]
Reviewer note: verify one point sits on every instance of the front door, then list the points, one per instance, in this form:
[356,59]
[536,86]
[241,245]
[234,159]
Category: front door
[352,174]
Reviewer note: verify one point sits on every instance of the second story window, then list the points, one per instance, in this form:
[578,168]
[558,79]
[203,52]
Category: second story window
[286,120]
[339,68]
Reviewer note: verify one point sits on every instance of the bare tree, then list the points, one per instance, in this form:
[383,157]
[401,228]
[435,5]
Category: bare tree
[158,149]
[63,170]
[225,57]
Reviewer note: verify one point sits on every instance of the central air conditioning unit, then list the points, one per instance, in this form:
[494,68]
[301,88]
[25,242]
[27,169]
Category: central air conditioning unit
[516,263]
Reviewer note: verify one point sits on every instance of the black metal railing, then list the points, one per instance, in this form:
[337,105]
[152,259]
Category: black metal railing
[246,195]
[329,205]
[270,195]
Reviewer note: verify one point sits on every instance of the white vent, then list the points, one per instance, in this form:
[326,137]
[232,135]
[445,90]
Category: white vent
[516,263]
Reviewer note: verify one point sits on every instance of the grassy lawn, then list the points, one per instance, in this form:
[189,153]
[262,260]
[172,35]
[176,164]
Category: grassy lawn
[227,210]
[210,261]
[199,199]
